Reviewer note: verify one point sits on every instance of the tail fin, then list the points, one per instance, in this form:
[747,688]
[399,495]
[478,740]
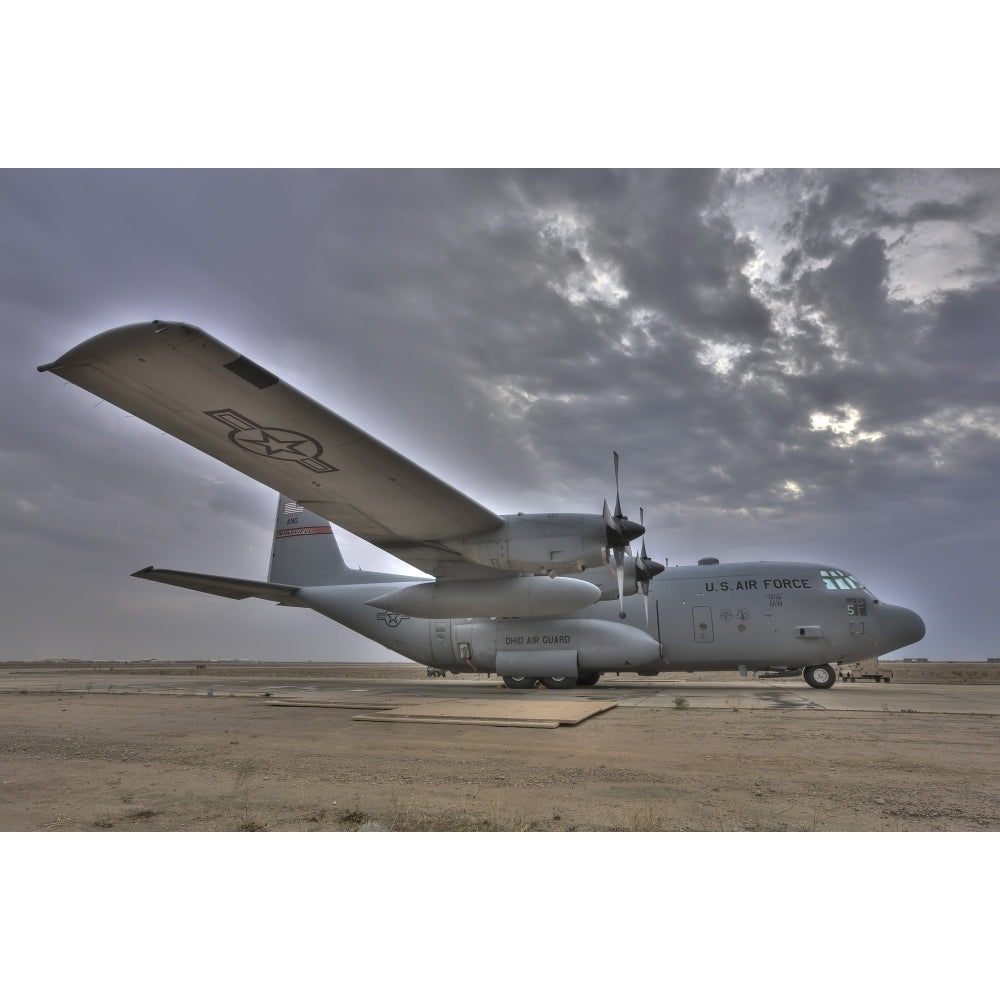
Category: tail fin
[304,551]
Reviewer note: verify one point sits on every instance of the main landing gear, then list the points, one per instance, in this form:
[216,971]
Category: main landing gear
[820,676]
[559,683]
[519,683]
[586,678]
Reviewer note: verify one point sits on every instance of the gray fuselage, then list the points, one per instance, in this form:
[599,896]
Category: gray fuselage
[758,615]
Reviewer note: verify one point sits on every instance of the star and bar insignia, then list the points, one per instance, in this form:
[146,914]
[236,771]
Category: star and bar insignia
[272,442]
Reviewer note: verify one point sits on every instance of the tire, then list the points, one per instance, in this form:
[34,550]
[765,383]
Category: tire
[520,683]
[559,683]
[588,678]
[821,676]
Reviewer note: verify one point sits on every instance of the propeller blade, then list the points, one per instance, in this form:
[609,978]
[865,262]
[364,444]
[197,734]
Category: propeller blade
[618,497]
[646,568]
[620,561]
[641,563]
[619,529]
[612,524]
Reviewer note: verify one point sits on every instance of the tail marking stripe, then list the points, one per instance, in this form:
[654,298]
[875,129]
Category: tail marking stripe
[319,529]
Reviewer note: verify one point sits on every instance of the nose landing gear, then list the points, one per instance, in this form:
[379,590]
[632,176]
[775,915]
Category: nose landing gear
[820,676]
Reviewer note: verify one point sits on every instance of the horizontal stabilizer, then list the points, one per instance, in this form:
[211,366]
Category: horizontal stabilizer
[224,586]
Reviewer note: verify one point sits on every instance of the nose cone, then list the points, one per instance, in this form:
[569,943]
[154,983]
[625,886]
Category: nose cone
[647,568]
[898,627]
[623,531]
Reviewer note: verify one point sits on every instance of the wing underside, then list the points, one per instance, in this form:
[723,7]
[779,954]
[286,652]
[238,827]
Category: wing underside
[179,379]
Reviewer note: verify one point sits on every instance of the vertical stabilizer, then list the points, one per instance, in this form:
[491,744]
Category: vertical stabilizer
[304,551]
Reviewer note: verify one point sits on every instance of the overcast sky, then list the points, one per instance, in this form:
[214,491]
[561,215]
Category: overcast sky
[792,364]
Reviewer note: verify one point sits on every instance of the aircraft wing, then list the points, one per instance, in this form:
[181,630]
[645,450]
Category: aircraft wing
[224,586]
[181,380]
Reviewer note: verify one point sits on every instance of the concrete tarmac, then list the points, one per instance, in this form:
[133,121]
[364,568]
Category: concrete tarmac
[218,746]
[788,695]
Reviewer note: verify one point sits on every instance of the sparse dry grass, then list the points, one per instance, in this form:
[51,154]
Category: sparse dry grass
[414,815]
[643,819]
[248,819]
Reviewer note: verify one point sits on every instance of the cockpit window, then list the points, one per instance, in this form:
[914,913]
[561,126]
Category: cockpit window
[837,579]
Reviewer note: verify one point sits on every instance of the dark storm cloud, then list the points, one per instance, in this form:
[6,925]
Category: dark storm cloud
[792,364]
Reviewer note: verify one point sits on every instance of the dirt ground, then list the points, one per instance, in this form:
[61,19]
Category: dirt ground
[133,762]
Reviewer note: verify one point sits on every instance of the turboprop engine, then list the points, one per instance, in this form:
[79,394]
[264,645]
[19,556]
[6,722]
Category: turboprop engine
[555,543]
[554,647]
[547,543]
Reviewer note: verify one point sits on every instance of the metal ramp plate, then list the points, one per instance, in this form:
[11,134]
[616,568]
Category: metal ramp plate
[529,713]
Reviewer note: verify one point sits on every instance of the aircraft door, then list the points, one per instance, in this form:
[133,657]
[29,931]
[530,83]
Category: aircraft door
[441,641]
[703,630]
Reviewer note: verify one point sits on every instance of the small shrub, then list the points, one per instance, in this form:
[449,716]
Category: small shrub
[246,818]
[643,819]
[354,816]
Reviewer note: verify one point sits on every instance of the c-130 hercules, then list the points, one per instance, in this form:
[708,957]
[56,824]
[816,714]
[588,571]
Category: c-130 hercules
[556,598]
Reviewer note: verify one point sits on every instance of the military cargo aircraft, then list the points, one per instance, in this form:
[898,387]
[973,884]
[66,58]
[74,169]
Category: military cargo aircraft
[553,598]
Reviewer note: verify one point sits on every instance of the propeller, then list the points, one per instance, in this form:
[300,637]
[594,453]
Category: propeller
[645,570]
[619,531]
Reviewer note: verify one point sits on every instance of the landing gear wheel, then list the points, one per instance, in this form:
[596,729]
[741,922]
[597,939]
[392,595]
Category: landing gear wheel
[821,676]
[520,683]
[558,683]
[588,678]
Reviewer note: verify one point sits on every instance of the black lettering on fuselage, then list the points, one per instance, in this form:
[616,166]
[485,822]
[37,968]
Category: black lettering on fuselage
[726,585]
[536,640]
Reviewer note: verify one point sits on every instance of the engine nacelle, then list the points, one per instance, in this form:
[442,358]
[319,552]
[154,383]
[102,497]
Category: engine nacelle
[538,648]
[540,543]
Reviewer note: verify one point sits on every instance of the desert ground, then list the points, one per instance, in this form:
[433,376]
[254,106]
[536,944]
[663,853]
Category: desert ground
[90,747]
